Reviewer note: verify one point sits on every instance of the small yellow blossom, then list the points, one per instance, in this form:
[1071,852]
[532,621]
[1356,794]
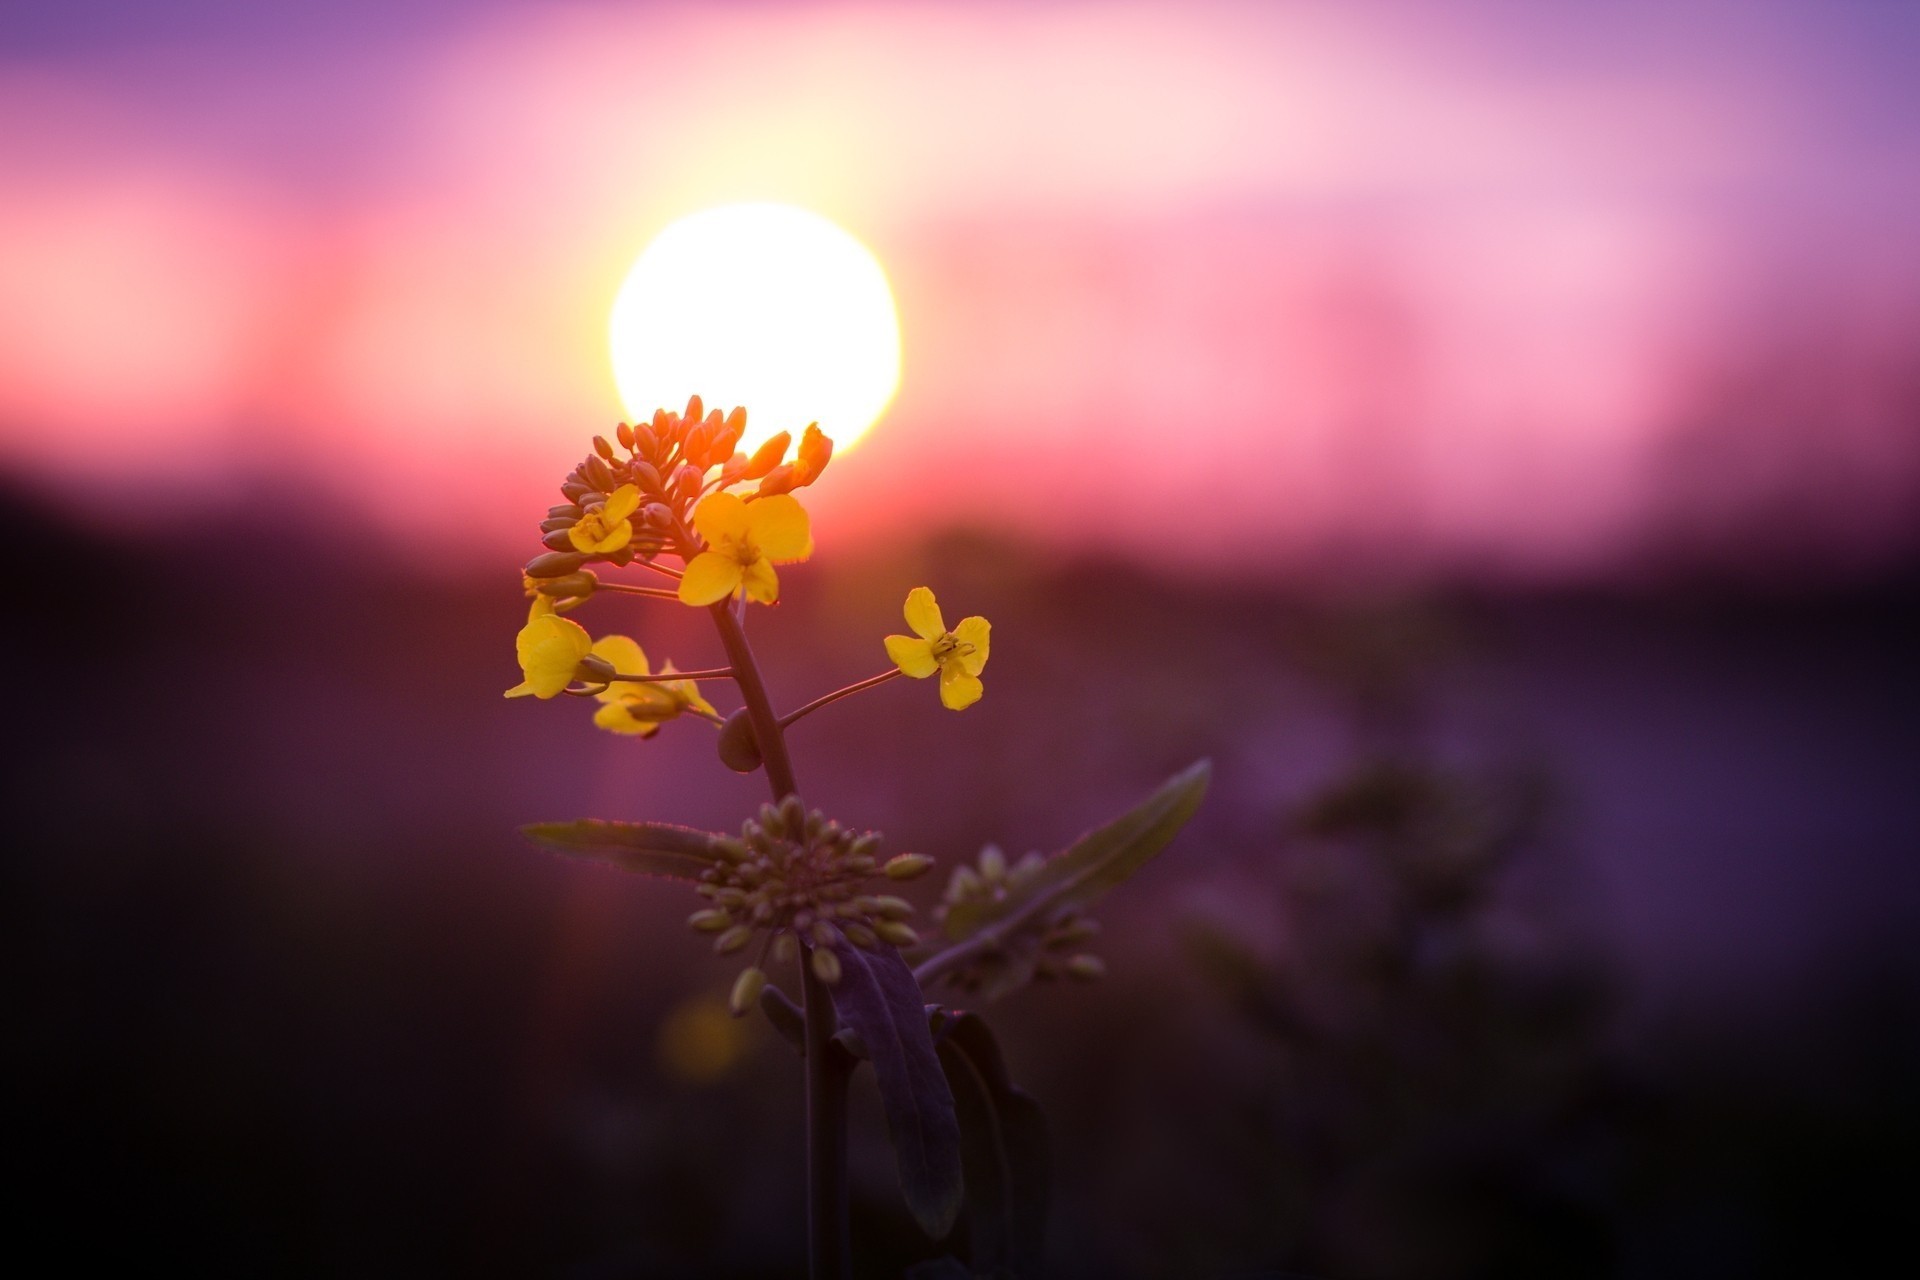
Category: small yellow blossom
[744,541]
[549,649]
[958,655]
[606,528]
[628,707]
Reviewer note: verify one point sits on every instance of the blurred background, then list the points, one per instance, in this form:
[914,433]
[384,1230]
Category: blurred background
[1489,431]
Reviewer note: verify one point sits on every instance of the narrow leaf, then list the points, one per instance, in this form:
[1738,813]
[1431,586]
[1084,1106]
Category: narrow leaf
[878,998]
[1096,861]
[1003,1150]
[645,848]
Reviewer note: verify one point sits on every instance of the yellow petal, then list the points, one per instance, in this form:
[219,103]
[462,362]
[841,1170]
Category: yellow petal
[958,690]
[972,635]
[761,582]
[521,690]
[710,576]
[779,527]
[627,658]
[912,655]
[615,718]
[923,614]
[549,649]
[720,516]
[621,503]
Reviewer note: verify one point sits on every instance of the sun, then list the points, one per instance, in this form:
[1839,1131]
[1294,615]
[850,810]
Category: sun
[763,305]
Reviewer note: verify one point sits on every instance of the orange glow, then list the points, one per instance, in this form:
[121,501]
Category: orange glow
[762,305]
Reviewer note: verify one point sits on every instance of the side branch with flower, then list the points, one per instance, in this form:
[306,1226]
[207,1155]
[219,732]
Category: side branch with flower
[796,891]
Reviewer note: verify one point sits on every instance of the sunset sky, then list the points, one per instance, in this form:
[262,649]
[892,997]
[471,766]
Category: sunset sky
[1476,284]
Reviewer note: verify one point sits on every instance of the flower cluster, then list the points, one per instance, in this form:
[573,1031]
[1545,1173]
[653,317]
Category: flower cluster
[680,487]
[650,488]
[798,880]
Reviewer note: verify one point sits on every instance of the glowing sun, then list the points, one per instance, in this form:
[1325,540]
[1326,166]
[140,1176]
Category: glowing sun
[762,305]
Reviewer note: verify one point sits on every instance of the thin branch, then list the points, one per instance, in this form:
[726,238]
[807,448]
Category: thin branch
[660,677]
[656,593]
[838,694]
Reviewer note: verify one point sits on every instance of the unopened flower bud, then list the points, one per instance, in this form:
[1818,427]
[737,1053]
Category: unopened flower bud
[768,456]
[746,990]
[554,564]
[1087,968]
[573,586]
[710,921]
[647,476]
[558,539]
[739,749]
[964,883]
[731,849]
[562,523]
[782,479]
[565,511]
[603,447]
[686,483]
[733,939]
[574,490]
[824,934]
[772,821]
[993,863]
[815,451]
[866,846]
[645,443]
[595,670]
[696,410]
[624,434]
[793,815]
[1078,929]
[600,473]
[900,935]
[657,515]
[891,907]
[783,948]
[905,866]
[859,935]
[826,965]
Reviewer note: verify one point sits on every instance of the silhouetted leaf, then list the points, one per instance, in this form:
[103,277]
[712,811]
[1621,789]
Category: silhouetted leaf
[1003,1149]
[1096,861]
[878,998]
[645,848]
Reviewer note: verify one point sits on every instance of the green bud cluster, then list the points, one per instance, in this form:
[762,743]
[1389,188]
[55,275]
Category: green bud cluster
[1059,939]
[798,881]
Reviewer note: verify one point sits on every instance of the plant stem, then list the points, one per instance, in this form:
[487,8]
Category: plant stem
[838,694]
[753,692]
[828,1072]
[827,1067]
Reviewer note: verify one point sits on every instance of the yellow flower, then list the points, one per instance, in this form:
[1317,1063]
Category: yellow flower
[958,655]
[549,648]
[606,528]
[627,707]
[744,541]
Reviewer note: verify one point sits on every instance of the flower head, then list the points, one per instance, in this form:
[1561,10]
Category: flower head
[606,528]
[640,709]
[549,649]
[798,881]
[958,655]
[744,541]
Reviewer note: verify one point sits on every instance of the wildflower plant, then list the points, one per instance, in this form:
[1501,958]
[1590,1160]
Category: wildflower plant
[796,895]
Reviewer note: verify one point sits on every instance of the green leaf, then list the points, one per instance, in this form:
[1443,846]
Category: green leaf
[645,848]
[1096,861]
[1003,1149]
[878,998]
